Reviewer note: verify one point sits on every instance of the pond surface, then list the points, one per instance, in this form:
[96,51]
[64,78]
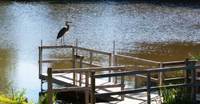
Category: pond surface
[156,32]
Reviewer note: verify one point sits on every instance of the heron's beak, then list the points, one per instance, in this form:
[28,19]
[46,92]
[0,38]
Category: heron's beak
[68,22]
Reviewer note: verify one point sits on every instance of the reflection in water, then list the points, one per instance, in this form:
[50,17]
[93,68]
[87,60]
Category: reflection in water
[164,51]
[141,27]
[6,67]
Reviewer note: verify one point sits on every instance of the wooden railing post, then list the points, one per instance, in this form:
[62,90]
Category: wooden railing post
[49,90]
[74,65]
[148,88]
[40,61]
[122,86]
[110,62]
[81,65]
[91,58]
[115,64]
[86,85]
[193,73]
[161,79]
[93,97]
[187,71]
[190,69]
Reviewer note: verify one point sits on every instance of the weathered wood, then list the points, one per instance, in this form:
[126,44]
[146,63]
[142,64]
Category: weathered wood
[161,76]
[54,47]
[141,90]
[140,59]
[122,86]
[91,58]
[55,60]
[193,86]
[115,63]
[70,89]
[173,63]
[50,87]
[92,50]
[83,70]
[87,96]
[144,76]
[74,65]
[93,98]
[156,70]
[148,88]
[109,64]
[81,65]
[86,79]
[40,61]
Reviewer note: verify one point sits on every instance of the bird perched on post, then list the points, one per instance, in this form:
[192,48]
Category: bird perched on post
[63,31]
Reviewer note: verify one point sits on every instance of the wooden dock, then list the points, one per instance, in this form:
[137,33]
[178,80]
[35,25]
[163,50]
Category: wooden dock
[107,81]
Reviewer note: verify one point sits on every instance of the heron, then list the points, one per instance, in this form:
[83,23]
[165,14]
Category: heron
[63,31]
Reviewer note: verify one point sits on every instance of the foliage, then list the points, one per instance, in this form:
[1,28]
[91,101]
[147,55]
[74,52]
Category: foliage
[43,99]
[17,97]
[176,96]
[195,57]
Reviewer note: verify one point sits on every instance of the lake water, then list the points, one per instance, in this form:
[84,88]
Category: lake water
[156,32]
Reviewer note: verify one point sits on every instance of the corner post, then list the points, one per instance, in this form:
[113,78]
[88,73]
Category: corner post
[50,86]
[148,87]
[93,97]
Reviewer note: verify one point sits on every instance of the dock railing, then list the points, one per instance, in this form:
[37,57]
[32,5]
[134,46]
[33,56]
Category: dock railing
[88,81]
[189,68]
[113,68]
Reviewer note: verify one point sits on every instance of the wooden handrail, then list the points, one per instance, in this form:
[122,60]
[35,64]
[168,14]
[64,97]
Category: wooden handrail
[137,58]
[129,73]
[82,70]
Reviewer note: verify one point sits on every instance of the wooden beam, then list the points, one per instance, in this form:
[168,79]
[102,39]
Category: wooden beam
[136,58]
[140,90]
[156,70]
[83,70]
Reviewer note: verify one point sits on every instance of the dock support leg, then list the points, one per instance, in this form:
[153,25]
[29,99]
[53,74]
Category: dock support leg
[93,97]
[49,90]
[122,87]
[148,88]
[74,65]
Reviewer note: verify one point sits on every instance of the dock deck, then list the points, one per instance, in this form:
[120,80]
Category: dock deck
[136,98]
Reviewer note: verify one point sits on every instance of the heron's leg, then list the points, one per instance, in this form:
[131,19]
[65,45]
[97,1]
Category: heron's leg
[63,39]
[60,41]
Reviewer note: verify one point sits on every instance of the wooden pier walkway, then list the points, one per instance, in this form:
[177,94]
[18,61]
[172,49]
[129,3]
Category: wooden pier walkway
[108,81]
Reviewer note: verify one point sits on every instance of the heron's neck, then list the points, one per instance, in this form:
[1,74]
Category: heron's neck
[67,26]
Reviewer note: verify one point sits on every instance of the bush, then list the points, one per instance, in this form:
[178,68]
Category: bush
[176,96]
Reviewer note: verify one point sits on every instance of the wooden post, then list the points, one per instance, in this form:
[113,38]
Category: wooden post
[86,96]
[122,86]
[91,58]
[86,85]
[76,44]
[115,64]
[110,59]
[74,65]
[49,90]
[187,71]
[93,97]
[81,65]
[114,60]
[161,76]
[193,73]
[40,61]
[148,88]
[190,68]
